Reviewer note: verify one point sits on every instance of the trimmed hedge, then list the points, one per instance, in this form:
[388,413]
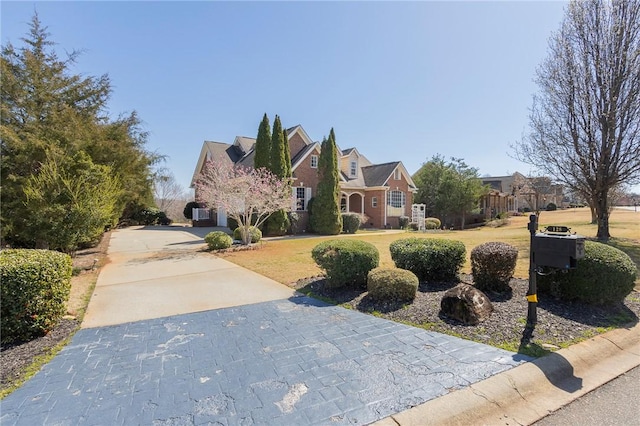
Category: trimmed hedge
[392,284]
[346,261]
[430,259]
[218,240]
[605,275]
[256,234]
[492,265]
[35,284]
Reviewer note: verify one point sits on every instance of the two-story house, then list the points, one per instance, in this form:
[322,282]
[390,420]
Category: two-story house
[382,192]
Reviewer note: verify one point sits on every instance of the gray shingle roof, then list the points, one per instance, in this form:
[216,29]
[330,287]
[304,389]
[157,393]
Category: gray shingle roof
[378,174]
[223,150]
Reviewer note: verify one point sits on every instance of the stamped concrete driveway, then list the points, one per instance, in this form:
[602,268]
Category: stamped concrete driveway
[285,360]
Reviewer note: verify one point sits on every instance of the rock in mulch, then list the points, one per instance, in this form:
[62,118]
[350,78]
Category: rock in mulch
[466,304]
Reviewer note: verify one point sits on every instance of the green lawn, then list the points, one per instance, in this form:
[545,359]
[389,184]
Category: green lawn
[289,259]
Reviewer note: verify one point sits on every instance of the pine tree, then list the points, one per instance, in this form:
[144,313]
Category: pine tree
[263,144]
[280,165]
[326,218]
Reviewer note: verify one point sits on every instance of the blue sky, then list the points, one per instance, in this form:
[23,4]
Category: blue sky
[399,81]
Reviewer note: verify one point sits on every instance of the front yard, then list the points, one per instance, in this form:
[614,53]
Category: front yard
[560,323]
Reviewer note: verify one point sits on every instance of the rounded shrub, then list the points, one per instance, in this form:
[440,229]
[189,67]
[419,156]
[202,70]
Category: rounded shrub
[430,225]
[392,284]
[492,265]
[232,224]
[218,240]
[605,275]
[345,261]
[433,223]
[188,209]
[403,222]
[551,207]
[256,234]
[430,259]
[350,222]
[35,285]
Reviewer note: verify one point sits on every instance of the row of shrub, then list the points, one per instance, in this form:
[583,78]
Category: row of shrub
[605,275]
[218,240]
[34,286]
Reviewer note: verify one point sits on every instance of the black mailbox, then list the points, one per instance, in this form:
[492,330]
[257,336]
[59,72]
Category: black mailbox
[557,250]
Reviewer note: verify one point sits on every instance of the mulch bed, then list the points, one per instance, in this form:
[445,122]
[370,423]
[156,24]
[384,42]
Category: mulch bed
[559,322]
[16,357]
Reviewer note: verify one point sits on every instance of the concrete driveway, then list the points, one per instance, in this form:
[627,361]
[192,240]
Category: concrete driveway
[158,271]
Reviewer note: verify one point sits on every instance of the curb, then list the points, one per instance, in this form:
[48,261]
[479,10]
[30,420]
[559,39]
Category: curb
[529,392]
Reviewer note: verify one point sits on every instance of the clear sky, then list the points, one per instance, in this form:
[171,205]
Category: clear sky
[397,80]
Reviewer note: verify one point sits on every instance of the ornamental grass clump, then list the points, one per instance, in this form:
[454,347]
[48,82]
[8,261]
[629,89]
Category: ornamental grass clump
[604,276]
[392,284]
[346,261]
[430,259]
[35,284]
[492,266]
[218,240]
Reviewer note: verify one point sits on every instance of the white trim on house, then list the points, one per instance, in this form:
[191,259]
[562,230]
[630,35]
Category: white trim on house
[304,157]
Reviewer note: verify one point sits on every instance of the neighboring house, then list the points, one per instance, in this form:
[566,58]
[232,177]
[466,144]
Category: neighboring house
[517,192]
[501,197]
[382,192]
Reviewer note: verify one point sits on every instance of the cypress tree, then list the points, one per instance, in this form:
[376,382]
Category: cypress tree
[277,161]
[326,218]
[280,165]
[263,144]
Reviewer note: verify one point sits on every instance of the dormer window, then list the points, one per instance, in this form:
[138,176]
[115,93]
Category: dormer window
[353,169]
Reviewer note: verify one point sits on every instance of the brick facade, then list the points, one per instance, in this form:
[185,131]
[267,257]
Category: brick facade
[370,181]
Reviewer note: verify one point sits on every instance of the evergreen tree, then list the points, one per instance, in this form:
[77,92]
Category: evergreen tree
[47,111]
[263,144]
[326,218]
[280,165]
[70,201]
[278,162]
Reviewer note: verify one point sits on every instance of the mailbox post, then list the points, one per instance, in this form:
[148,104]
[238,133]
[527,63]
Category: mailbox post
[554,248]
[532,297]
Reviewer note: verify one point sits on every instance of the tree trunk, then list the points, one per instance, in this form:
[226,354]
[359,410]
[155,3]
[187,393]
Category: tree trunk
[462,221]
[594,216]
[602,213]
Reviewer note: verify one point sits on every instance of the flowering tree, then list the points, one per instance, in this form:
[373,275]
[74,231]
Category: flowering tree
[245,194]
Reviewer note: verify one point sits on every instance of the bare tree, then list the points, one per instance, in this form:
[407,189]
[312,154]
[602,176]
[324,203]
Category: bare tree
[167,191]
[534,190]
[585,122]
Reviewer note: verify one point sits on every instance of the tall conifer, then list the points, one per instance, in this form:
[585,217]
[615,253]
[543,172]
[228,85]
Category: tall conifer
[263,144]
[326,218]
[280,165]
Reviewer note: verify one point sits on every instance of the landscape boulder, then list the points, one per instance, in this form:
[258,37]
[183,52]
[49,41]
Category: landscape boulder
[466,304]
